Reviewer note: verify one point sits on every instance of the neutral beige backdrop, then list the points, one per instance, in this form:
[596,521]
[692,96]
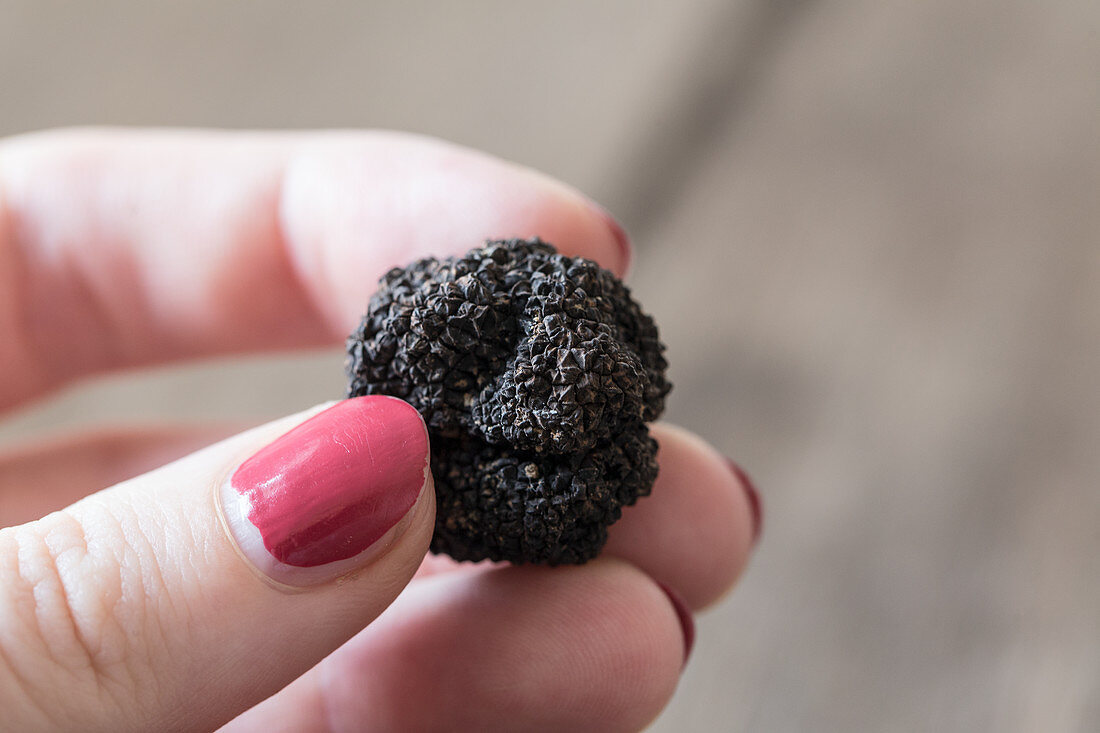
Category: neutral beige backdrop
[870,231]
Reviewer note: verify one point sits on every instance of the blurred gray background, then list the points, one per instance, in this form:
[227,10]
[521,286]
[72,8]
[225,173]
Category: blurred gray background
[870,231]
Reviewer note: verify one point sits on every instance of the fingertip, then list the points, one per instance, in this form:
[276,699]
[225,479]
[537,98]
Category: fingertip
[354,205]
[623,262]
[518,201]
[694,532]
[332,495]
[683,614]
[574,223]
[655,637]
[756,504]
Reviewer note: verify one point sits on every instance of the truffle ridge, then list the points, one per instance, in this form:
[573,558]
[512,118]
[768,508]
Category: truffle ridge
[536,374]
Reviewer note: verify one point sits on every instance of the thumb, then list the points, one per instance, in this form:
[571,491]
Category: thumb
[183,597]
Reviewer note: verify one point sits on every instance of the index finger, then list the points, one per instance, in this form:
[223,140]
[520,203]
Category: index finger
[122,248]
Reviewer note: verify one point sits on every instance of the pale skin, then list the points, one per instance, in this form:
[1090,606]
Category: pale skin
[128,609]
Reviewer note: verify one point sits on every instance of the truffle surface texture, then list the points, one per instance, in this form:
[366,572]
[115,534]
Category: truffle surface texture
[536,374]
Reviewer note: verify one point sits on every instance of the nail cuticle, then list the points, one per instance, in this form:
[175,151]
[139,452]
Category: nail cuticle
[329,496]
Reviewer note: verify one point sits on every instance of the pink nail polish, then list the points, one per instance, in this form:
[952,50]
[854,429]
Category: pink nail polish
[683,613]
[308,506]
[755,505]
[622,239]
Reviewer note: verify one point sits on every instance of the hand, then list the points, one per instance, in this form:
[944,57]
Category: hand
[135,608]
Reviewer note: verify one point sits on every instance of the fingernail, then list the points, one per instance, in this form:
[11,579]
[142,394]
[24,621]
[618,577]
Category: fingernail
[683,613]
[754,499]
[324,498]
[622,239]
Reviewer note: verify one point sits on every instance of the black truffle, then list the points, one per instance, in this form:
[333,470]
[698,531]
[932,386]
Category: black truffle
[536,374]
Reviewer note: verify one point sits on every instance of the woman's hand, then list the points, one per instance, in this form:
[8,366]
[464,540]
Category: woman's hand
[136,608]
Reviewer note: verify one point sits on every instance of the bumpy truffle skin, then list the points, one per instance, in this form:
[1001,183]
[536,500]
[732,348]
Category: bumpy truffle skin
[536,374]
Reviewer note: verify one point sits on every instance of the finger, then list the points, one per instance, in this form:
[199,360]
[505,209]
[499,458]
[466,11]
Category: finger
[121,248]
[38,479]
[696,530]
[699,508]
[123,610]
[592,648]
